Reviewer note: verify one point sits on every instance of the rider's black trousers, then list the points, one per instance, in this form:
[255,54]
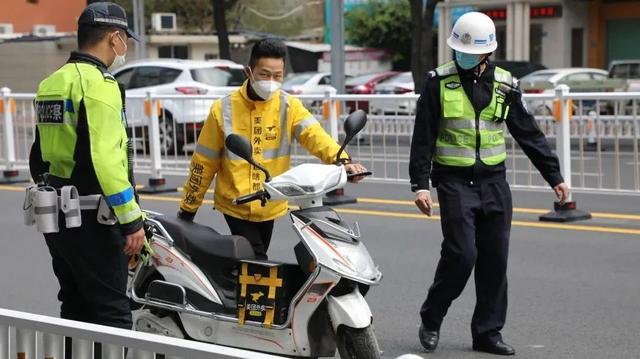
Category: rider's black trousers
[258,233]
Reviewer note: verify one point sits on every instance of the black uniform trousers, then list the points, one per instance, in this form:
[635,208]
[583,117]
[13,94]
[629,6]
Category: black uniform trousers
[476,222]
[257,233]
[92,270]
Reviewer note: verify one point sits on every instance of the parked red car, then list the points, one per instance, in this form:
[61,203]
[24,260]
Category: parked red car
[364,85]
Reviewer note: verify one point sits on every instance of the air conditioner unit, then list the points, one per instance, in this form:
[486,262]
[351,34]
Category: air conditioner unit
[6,29]
[161,22]
[44,30]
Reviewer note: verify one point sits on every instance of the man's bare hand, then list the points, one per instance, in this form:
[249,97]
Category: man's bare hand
[354,169]
[562,192]
[134,244]
[424,202]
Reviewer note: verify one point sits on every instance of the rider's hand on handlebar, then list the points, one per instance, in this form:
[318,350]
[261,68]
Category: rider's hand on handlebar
[354,169]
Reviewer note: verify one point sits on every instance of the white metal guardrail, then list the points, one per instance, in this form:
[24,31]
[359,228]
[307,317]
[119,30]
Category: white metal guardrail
[32,336]
[602,132]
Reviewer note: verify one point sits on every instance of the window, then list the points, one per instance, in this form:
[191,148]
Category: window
[535,43]
[124,77]
[299,79]
[634,71]
[626,71]
[218,76]
[620,71]
[153,76]
[173,52]
[539,76]
[577,42]
[585,76]
[325,80]
[598,77]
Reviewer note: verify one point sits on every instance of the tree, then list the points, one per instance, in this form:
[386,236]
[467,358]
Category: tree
[382,24]
[220,8]
[422,39]
[196,14]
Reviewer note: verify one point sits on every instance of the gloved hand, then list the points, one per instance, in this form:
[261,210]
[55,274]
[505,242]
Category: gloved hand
[185,216]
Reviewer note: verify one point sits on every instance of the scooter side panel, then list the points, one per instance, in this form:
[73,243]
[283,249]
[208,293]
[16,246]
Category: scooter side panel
[328,254]
[176,268]
[308,304]
[240,336]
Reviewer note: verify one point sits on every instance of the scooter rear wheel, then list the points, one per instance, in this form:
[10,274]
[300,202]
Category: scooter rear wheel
[357,343]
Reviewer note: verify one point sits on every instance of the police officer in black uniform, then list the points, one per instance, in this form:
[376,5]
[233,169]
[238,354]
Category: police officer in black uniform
[458,144]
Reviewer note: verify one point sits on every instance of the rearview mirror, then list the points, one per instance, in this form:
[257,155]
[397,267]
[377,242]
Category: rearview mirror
[352,125]
[355,123]
[241,147]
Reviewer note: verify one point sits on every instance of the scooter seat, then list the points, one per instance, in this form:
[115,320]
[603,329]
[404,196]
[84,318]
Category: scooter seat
[203,242]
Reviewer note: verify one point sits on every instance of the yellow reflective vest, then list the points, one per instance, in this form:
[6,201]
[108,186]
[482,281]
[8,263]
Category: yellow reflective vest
[271,126]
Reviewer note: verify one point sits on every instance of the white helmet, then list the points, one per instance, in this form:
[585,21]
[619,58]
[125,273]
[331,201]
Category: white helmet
[473,33]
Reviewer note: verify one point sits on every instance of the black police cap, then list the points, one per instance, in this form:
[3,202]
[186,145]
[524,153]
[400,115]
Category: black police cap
[106,14]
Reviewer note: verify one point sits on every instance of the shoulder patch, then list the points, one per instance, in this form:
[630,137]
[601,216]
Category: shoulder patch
[50,111]
[447,69]
[108,76]
[452,85]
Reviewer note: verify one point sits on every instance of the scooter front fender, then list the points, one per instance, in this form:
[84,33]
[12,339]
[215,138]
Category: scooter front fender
[351,310]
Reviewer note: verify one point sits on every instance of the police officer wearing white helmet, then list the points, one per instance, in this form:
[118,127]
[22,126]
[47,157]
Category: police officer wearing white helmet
[458,144]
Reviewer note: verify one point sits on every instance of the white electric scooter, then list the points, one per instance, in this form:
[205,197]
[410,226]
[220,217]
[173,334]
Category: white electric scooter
[189,289]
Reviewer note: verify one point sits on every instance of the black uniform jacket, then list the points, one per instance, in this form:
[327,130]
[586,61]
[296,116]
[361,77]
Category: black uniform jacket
[520,123]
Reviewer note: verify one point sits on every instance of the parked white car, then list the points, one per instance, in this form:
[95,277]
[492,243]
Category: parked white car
[400,84]
[544,82]
[180,119]
[309,83]
[628,70]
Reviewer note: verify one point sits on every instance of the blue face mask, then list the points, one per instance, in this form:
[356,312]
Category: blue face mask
[467,61]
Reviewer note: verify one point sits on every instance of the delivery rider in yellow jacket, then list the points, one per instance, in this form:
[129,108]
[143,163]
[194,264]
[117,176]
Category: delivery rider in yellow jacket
[272,120]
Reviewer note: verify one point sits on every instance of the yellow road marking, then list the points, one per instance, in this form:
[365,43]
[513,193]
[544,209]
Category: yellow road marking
[575,227]
[516,209]
[11,188]
[606,215]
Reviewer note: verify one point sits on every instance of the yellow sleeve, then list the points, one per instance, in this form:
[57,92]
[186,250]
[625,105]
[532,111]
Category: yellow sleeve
[308,131]
[205,162]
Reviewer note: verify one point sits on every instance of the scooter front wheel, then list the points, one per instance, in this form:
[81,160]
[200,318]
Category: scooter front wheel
[356,343]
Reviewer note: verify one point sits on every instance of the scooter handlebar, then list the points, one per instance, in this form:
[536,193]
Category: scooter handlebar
[351,176]
[260,195]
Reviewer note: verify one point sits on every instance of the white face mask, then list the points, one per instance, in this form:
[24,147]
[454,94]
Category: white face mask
[120,59]
[265,89]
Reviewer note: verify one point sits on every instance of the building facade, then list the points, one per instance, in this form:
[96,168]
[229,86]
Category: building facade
[21,16]
[564,33]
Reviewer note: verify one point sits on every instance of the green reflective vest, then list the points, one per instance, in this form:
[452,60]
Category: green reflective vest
[81,135]
[464,136]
